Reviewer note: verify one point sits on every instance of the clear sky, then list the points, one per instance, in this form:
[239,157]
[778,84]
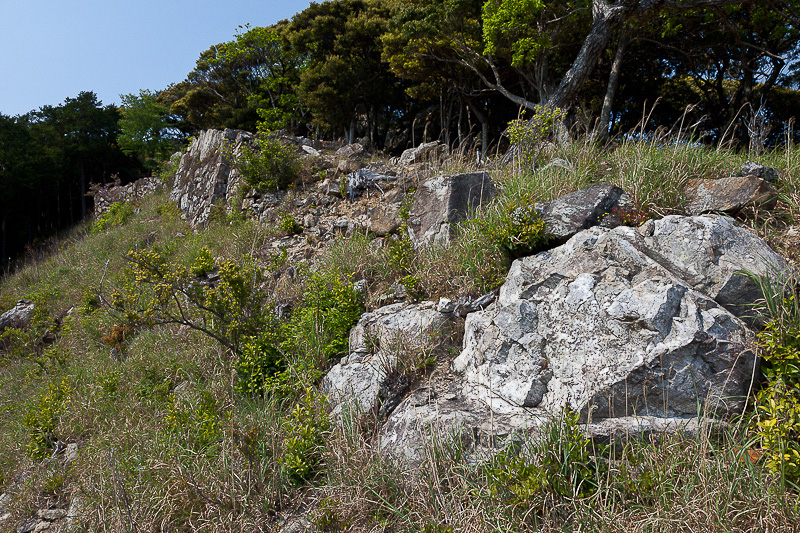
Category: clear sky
[51,50]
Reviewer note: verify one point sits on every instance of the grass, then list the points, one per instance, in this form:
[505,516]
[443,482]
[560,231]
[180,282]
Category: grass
[167,441]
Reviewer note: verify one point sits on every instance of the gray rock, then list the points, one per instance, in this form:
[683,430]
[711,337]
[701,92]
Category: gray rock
[382,345]
[711,253]
[350,150]
[445,305]
[365,179]
[758,170]
[599,327]
[51,515]
[729,195]
[385,219]
[205,177]
[601,205]
[424,152]
[18,317]
[310,150]
[442,202]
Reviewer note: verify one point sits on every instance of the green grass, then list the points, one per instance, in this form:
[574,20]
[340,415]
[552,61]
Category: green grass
[170,442]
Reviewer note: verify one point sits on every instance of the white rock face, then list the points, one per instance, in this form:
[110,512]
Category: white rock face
[380,344]
[205,177]
[598,326]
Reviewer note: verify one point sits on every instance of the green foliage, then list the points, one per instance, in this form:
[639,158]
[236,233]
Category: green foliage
[197,425]
[117,215]
[320,328]
[145,130]
[229,309]
[778,403]
[564,463]
[528,135]
[272,166]
[306,429]
[259,362]
[42,417]
[290,226]
[519,229]
[513,24]
[203,264]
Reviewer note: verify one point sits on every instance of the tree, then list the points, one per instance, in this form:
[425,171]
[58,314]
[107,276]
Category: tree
[145,129]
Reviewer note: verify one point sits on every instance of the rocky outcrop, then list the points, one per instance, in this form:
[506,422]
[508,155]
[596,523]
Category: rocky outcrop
[205,177]
[601,205]
[758,170]
[729,195]
[18,317]
[105,196]
[599,327]
[442,202]
[386,347]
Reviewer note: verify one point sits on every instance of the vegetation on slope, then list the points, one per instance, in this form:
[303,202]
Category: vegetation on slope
[155,348]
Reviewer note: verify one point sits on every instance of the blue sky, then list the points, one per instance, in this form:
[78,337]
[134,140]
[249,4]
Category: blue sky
[54,49]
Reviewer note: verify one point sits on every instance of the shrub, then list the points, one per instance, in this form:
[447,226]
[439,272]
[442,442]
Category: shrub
[259,361]
[320,328]
[290,226]
[306,429]
[117,215]
[528,135]
[41,419]
[518,230]
[271,166]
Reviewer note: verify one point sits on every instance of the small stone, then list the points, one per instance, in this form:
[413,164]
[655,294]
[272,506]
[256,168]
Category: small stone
[71,453]
[51,514]
[445,305]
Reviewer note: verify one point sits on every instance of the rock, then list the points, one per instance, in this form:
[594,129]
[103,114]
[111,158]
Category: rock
[74,513]
[346,166]
[350,150]
[445,305]
[29,525]
[310,150]
[599,327]
[18,317]
[465,305]
[758,170]
[384,345]
[331,188]
[385,219]
[729,195]
[442,202]
[205,177]
[51,515]
[310,221]
[710,254]
[105,196]
[71,453]
[423,152]
[601,205]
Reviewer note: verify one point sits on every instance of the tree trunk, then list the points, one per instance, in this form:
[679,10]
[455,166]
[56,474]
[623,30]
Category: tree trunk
[601,131]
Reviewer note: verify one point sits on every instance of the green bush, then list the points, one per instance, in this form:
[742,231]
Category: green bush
[320,328]
[259,362]
[117,215]
[271,166]
[42,417]
[306,429]
[290,226]
[518,230]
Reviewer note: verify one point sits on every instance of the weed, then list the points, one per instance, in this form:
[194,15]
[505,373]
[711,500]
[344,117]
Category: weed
[118,214]
[289,225]
[271,166]
[306,429]
[518,230]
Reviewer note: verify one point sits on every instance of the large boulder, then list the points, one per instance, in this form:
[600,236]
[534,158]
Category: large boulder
[600,327]
[713,255]
[424,152]
[205,177]
[601,205]
[729,195]
[385,347]
[442,202]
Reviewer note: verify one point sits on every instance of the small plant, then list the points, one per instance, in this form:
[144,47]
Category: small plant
[290,226]
[519,230]
[269,167]
[631,216]
[42,417]
[306,428]
[528,135]
[117,215]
